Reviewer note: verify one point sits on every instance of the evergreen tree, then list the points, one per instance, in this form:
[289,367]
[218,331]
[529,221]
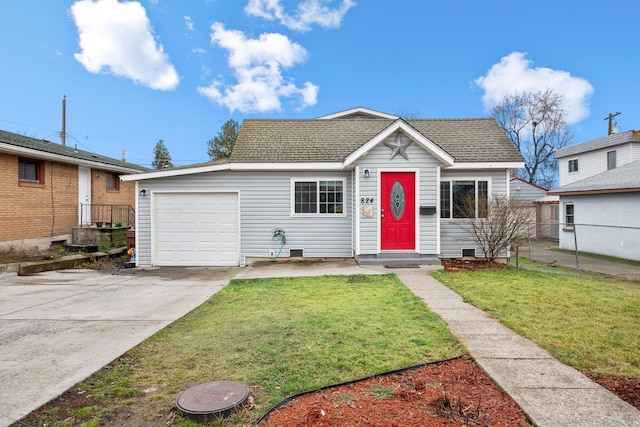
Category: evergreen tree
[221,146]
[161,157]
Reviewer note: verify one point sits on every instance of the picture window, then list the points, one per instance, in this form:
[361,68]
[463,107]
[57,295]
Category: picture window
[455,195]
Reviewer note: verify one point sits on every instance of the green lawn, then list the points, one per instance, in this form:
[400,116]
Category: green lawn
[589,322]
[279,337]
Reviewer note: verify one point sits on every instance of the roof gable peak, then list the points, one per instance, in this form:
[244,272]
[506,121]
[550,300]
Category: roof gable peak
[358,112]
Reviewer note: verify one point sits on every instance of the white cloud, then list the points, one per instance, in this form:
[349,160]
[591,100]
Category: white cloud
[308,12]
[257,65]
[118,38]
[188,22]
[515,73]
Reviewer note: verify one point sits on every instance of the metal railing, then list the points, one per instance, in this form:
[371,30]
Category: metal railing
[107,215]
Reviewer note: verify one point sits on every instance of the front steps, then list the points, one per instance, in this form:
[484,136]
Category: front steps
[398,258]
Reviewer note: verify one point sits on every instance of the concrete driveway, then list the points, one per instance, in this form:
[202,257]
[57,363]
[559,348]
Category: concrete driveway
[57,328]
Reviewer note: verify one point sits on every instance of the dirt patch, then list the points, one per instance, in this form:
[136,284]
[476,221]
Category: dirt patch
[451,393]
[461,264]
[11,256]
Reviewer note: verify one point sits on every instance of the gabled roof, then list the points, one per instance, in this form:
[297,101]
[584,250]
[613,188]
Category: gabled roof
[527,183]
[42,149]
[598,144]
[622,179]
[333,140]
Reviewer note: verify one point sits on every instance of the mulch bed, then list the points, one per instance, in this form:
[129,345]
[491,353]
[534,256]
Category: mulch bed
[450,393]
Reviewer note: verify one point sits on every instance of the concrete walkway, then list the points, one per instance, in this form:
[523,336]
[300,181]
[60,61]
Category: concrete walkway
[551,393]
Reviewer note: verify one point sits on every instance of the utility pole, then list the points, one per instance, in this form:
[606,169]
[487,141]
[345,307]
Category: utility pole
[63,134]
[610,118]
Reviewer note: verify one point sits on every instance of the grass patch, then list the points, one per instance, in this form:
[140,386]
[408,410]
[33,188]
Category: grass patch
[588,322]
[600,257]
[279,337]
[380,392]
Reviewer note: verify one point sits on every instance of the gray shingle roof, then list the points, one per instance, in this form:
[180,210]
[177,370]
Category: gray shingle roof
[625,177]
[597,144]
[72,153]
[301,141]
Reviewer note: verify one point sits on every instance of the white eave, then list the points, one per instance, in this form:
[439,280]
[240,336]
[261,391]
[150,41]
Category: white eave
[417,137]
[43,155]
[334,166]
[358,111]
[486,165]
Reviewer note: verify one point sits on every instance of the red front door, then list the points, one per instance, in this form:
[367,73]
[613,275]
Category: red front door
[397,211]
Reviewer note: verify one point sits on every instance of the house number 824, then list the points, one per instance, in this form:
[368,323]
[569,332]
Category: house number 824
[366,200]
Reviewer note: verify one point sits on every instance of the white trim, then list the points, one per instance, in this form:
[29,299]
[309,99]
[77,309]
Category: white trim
[402,126]
[43,155]
[438,180]
[358,110]
[487,165]
[316,179]
[329,166]
[416,195]
[508,181]
[357,208]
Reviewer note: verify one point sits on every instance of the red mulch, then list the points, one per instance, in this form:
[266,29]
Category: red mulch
[450,393]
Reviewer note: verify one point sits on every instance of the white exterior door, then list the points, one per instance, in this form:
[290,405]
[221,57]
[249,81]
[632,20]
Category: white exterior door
[84,196]
[195,229]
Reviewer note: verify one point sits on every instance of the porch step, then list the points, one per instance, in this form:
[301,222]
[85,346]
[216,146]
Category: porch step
[398,259]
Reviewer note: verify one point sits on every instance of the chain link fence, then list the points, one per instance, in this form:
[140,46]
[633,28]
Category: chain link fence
[602,249]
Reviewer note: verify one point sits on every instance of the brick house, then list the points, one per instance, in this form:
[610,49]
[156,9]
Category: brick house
[49,189]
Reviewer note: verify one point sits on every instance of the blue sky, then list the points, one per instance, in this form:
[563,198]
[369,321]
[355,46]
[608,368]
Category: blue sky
[140,71]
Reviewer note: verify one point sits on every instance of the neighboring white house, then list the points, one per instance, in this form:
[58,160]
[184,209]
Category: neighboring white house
[358,183]
[600,195]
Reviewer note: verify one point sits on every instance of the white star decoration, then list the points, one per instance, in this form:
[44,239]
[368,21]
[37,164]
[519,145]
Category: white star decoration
[398,147]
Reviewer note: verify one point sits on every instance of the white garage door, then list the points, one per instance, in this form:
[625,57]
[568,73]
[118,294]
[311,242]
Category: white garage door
[196,229]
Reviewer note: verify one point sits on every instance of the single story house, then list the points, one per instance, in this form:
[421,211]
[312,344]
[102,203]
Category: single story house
[358,183]
[49,189]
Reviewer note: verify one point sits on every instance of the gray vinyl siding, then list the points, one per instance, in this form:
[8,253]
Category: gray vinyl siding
[378,160]
[526,193]
[265,203]
[454,235]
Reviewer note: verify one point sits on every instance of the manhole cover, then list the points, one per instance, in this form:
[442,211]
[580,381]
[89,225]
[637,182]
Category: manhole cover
[217,399]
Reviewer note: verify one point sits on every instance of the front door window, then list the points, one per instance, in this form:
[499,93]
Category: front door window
[397,200]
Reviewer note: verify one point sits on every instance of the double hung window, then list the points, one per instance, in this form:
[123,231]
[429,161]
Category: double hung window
[113,182]
[573,165]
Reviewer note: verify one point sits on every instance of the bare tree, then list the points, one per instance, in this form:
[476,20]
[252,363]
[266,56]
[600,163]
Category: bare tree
[496,223]
[536,123]
[221,146]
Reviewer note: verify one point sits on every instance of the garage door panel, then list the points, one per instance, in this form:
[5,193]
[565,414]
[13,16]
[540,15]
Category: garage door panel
[196,229]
